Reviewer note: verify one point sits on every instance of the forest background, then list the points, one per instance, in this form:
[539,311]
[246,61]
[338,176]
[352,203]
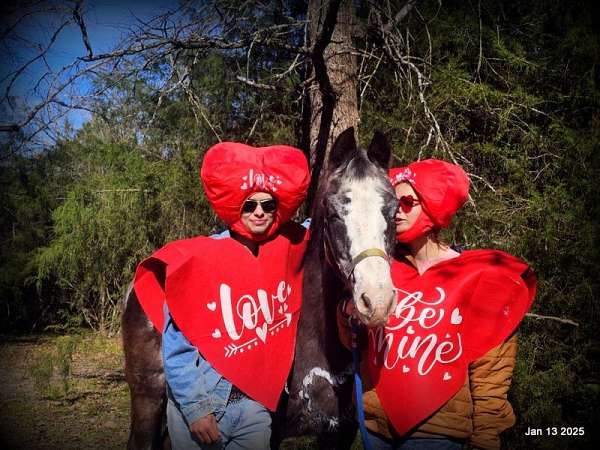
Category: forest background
[508,89]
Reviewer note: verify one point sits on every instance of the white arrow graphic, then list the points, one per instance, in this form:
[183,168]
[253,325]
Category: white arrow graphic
[232,349]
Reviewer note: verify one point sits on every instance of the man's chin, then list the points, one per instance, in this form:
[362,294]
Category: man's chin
[260,231]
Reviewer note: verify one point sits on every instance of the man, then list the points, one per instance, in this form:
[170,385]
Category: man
[232,303]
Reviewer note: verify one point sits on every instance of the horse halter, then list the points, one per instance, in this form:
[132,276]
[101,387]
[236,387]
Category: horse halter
[370,252]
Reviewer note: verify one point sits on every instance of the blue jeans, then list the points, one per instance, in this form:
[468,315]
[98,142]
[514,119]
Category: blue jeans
[245,425]
[379,443]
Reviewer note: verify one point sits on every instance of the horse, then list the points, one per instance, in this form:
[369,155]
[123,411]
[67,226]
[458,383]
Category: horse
[352,234]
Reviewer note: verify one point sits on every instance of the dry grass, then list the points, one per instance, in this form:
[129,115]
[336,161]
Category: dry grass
[89,411]
[39,413]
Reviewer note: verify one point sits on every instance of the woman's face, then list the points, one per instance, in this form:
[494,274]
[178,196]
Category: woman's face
[258,221]
[409,207]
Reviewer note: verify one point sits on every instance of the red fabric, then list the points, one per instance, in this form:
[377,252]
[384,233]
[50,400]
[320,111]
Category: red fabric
[442,187]
[240,311]
[454,313]
[231,172]
[422,226]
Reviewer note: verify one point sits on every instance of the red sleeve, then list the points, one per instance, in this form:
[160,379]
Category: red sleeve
[149,281]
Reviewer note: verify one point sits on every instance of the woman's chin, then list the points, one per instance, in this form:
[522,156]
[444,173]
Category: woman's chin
[402,227]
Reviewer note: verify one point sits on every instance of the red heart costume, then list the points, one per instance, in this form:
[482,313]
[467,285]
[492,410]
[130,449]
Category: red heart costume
[451,315]
[448,316]
[238,309]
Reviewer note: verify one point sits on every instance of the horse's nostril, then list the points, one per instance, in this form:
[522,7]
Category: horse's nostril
[368,304]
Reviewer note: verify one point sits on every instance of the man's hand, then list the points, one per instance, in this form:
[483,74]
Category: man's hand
[206,429]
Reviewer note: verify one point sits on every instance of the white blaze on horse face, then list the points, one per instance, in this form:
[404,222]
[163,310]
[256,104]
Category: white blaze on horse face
[374,295]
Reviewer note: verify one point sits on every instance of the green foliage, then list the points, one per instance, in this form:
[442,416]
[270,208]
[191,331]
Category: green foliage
[65,347]
[99,233]
[27,198]
[41,373]
[522,116]
[51,373]
[118,208]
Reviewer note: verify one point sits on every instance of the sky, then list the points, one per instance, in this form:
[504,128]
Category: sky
[106,22]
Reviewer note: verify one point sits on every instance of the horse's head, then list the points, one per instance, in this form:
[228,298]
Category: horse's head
[358,206]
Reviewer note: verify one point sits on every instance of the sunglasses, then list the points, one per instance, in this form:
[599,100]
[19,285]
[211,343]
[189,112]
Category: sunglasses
[268,205]
[407,203]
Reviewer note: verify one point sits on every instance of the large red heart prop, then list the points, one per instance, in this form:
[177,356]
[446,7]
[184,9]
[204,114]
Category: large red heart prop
[232,171]
[446,318]
[240,311]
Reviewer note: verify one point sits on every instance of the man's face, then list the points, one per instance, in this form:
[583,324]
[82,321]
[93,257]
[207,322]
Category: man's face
[254,217]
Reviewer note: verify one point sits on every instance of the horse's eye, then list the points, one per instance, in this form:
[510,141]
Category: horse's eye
[335,215]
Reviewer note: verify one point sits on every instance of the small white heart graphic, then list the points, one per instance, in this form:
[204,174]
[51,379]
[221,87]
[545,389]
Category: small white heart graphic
[212,306]
[410,330]
[261,332]
[456,318]
[289,289]
[405,369]
[447,376]
[447,335]
[280,310]
[216,334]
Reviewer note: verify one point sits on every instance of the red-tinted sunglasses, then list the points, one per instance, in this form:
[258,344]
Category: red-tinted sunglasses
[407,203]
[268,205]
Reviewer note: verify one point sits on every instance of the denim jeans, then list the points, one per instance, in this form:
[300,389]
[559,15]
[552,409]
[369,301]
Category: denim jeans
[379,443]
[245,425]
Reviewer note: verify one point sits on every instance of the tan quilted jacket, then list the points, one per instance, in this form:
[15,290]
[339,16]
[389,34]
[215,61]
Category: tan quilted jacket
[478,412]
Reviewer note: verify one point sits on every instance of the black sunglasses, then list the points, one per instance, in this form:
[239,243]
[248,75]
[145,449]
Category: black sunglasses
[268,205]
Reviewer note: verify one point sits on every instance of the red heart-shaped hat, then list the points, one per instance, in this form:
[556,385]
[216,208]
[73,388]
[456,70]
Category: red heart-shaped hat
[231,172]
[442,187]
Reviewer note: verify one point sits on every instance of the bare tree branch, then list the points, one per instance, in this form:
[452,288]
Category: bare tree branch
[79,20]
[42,54]
[148,42]
[556,319]
[400,16]
[9,128]
[256,84]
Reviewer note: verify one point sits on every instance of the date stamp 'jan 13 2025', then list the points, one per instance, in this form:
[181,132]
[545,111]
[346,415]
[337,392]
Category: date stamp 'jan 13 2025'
[555,431]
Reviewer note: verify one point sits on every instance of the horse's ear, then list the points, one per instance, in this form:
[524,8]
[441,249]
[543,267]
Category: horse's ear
[379,151]
[343,148]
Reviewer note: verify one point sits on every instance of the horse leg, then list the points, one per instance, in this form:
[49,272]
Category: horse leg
[343,436]
[145,376]
[342,439]
[147,418]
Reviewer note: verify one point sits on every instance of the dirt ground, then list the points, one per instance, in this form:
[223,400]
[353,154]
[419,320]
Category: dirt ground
[86,408]
[37,411]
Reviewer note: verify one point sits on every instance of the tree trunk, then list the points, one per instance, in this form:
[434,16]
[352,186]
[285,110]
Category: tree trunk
[333,98]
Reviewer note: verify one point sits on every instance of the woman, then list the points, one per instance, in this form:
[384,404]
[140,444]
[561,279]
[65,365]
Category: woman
[437,375]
